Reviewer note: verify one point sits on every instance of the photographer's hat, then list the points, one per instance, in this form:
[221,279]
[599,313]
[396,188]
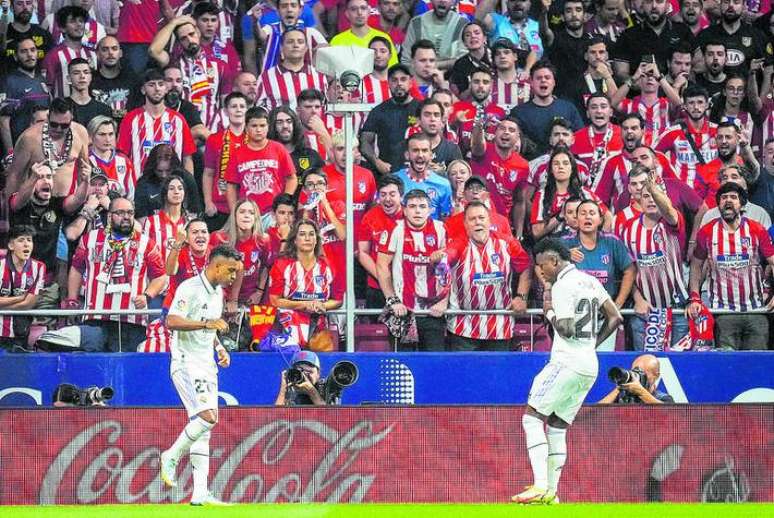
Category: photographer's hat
[306,357]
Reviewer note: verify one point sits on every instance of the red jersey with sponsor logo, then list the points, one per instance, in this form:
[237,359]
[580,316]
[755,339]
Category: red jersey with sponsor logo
[623,217]
[376,227]
[364,189]
[413,274]
[509,95]
[218,150]
[675,143]
[593,148]
[493,114]
[115,272]
[658,252]
[503,176]
[656,117]
[261,174]
[140,132]
[332,246]
[119,169]
[30,279]
[734,259]
[481,280]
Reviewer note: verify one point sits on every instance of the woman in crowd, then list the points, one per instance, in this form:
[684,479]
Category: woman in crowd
[169,221]
[302,283]
[562,183]
[458,171]
[162,161]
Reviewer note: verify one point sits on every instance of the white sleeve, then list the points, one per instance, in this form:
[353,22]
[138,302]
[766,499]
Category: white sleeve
[180,303]
[563,302]
[602,294]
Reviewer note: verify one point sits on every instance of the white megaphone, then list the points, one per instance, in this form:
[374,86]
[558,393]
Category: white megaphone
[347,64]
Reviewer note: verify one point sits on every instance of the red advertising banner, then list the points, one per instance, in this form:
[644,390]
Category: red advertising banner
[396,454]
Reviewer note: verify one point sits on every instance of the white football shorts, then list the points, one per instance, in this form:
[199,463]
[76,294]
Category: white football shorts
[197,388]
[559,390]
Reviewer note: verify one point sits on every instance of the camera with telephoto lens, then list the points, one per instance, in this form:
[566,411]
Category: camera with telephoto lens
[621,376]
[294,376]
[341,376]
[70,395]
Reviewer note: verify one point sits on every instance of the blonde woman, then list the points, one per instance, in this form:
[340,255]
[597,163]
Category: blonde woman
[458,172]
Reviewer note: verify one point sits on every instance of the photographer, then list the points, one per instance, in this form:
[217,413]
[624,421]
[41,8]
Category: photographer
[634,391]
[308,391]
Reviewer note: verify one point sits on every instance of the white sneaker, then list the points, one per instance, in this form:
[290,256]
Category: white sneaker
[168,467]
[209,500]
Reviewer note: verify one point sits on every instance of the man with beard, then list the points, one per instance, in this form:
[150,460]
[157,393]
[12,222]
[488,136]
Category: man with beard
[743,42]
[390,17]
[310,112]
[374,231]
[517,26]
[739,175]
[153,123]
[594,143]
[608,21]
[376,86]
[433,124]
[733,245]
[566,47]
[22,89]
[205,77]
[598,76]
[247,84]
[387,123]
[85,107]
[535,116]
[691,141]
[174,99]
[37,205]
[483,267]
[72,20]
[417,175]
[679,66]
[713,55]
[426,77]
[285,127]
[113,84]
[443,27]
[58,143]
[121,269]
[692,15]
[733,149]
[19,29]
[208,19]
[93,30]
[360,34]
[504,169]
[650,41]
[561,134]
[480,106]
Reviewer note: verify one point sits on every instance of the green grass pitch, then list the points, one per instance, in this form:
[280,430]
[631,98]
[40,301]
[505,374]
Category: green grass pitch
[393,511]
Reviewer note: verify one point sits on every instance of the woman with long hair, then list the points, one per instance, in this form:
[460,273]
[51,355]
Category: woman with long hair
[243,231]
[458,172]
[165,225]
[562,183]
[162,162]
[302,284]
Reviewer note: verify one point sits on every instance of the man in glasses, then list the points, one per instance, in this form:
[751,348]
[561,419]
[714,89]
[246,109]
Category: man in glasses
[120,268]
[475,190]
[57,143]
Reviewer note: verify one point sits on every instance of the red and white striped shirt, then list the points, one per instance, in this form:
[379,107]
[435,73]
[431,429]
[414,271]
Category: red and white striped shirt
[278,85]
[140,132]
[593,148]
[658,252]
[290,280]
[55,67]
[256,256]
[538,171]
[536,214]
[675,143]
[656,117]
[119,170]
[508,95]
[734,263]
[623,217]
[14,283]
[204,82]
[375,228]
[375,90]
[93,31]
[114,278]
[413,274]
[335,121]
[481,280]
[163,231]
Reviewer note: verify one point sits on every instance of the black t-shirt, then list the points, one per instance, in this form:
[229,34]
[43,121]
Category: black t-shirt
[566,53]
[641,40]
[83,113]
[713,89]
[47,222]
[305,159]
[42,38]
[122,90]
[148,200]
[444,153]
[746,44]
[389,121]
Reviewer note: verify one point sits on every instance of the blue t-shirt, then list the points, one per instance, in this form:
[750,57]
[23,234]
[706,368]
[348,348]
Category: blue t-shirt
[437,188]
[535,120]
[271,16]
[606,262]
[503,28]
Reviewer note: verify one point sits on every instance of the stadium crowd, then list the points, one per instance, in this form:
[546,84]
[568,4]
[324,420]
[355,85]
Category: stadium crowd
[137,135]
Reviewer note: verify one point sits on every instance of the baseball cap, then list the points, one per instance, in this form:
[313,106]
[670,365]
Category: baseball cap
[474,180]
[306,357]
[503,43]
[97,172]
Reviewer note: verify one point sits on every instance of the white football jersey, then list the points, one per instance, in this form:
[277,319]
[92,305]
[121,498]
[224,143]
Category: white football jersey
[196,299]
[579,296]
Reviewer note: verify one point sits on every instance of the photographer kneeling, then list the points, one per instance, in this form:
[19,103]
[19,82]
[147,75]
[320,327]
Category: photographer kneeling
[638,385]
[306,391]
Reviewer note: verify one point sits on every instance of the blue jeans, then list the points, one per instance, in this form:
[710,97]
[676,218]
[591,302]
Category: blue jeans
[679,329]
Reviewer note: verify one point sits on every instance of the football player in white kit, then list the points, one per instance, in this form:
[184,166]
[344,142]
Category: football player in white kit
[195,317]
[572,303]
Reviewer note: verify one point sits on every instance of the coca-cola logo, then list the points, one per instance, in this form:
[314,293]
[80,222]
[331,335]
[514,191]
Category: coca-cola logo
[110,473]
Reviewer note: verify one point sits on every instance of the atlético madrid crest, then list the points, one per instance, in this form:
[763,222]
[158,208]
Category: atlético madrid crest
[303,162]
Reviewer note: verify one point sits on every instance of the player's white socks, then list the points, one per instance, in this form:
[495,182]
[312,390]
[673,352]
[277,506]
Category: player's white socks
[537,448]
[557,455]
[200,460]
[192,431]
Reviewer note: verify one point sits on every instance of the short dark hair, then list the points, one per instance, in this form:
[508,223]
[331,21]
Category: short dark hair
[203,8]
[714,43]
[731,187]
[78,61]
[380,39]
[415,194]
[22,39]
[417,136]
[398,67]
[154,74]
[282,199]
[543,63]
[288,31]
[429,102]
[694,90]
[549,244]
[390,179]
[310,94]
[559,121]
[727,124]
[634,115]
[596,95]
[225,251]
[68,11]
[234,95]
[681,48]
[596,39]
[21,230]
[60,105]
[422,44]
[256,112]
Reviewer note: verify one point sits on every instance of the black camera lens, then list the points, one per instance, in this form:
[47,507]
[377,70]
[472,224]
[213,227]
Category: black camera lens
[294,376]
[619,376]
